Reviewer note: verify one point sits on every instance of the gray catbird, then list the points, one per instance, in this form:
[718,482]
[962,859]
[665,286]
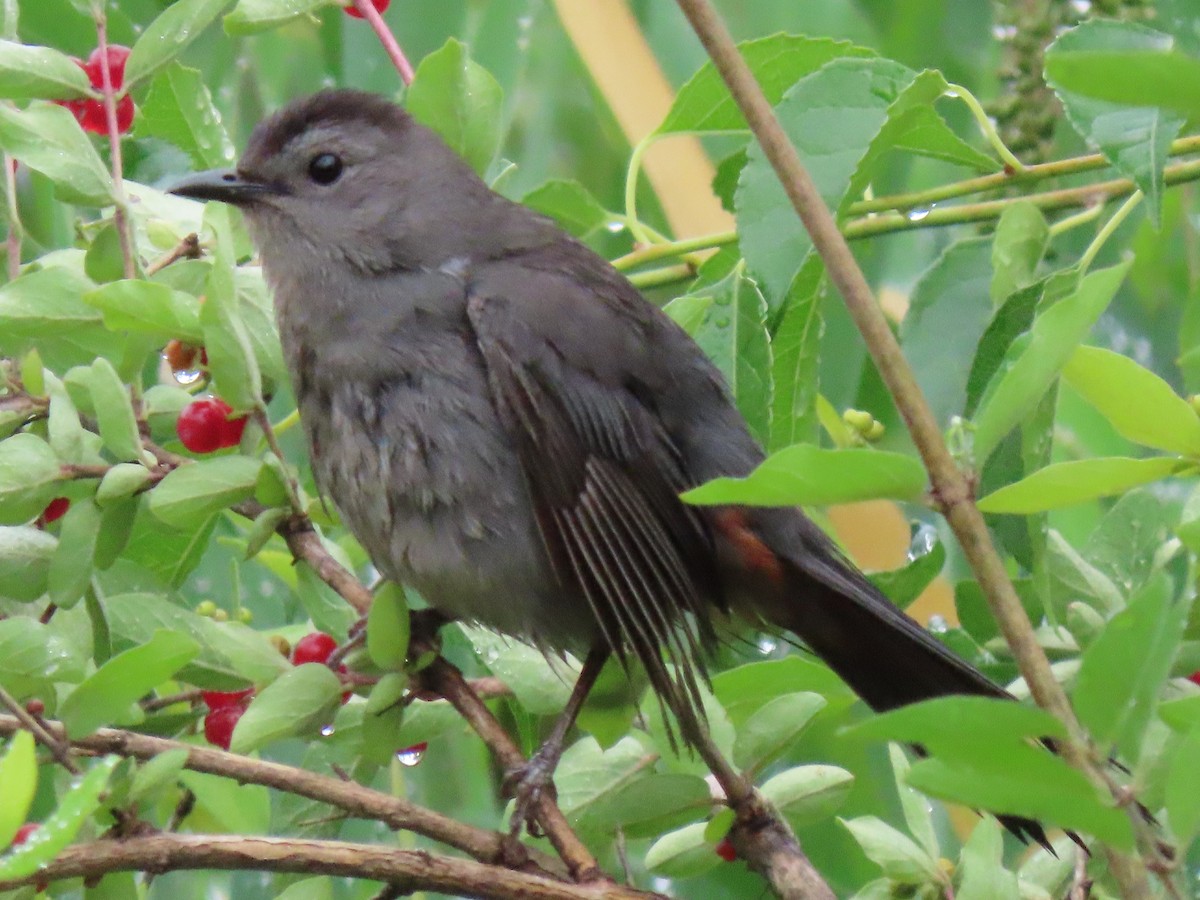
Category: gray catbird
[506,424]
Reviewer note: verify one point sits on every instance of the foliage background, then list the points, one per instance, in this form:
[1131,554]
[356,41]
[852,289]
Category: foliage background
[556,123]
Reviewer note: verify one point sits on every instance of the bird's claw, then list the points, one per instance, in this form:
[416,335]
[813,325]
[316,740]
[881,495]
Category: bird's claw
[527,784]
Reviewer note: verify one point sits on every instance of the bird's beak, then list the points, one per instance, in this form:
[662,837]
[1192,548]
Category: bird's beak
[225,185]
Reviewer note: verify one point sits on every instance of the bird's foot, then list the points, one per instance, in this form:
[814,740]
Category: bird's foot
[527,784]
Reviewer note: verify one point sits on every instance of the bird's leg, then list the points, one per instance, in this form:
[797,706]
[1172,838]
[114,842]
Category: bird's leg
[527,782]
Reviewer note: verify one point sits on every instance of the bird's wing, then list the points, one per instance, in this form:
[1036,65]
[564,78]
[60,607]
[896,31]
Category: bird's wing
[602,473]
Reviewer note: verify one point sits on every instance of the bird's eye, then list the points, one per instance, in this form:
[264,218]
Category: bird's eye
[325,168]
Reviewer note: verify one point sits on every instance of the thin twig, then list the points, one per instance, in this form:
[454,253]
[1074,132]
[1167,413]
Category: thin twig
[414,870]
[120,201]
[949,485]
[390,46]
[22,718]
[187,248]
[16,231]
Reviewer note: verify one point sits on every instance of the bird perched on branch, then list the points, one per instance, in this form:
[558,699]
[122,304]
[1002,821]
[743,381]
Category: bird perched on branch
[506,424]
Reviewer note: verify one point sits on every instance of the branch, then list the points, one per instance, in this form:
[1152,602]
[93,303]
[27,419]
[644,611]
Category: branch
[948,483]
[120,203]
[408,870]
[353,798]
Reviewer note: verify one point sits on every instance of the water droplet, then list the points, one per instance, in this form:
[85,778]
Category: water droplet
[1082,7]
[327,731]
[916,215]
[938,625]
[188,376]
[722,300]
[410,756]
[1004,32]
[766,645]
[615,226]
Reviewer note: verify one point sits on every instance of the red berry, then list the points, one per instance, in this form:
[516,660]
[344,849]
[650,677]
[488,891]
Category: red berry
[1194,678]
[315,647]
[24,832]
[725,850]
[55,509]
[202,425]
[380,6]
[232,430]
[219,725]
[117,55]
[124,115]
[35,707]
[179,355]
[222,699]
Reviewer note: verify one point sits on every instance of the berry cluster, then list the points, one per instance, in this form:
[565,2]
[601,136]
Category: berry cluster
[204,425]
[90,113]
[225,708]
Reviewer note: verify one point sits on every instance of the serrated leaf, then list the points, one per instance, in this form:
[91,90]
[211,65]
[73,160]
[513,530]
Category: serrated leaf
[18,781]
[47,138]
[1053,338]
[72,566]
[192,492]
[295,703]
[927,134]
[460,100]
[114,412]
[808,475]
[179,109]
[167,36]
[147,307]
[1063,484]
[29,73]
[773,728]
[1160,76]
[1020,242]
[79,803]
[1124,669]
[1140,405]
[388,627]
[30,477]
[106,695]
[795,358]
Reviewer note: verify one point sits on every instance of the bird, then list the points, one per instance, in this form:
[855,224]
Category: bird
[506,425]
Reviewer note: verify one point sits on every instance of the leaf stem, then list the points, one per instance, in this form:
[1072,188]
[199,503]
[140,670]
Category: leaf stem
[987,127]
[390,46]
[639,232]
[16,231]
[674,248]
[1107,231]
[120,202]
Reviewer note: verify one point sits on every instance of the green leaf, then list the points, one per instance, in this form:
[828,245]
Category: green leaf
[683,853]
[167,36]
[114,412]
[252,16]
[30,475]
[689,311]
[1053,338]
[157,773]
[1063,484]
[808,475]
[917,813]
[1135,140]
[893,851]
[806,795]
[192,492]
[795,359]
[47,138]
[1139,404]
[774,728]
[540,687]
[78,805]
[951,297]
[25,554]
[1008,323]
[147,308]
[1020,242]
[1160,77]
[179,109]
[122,481]
[1124,669]
[29,73]
[72,565]
[926,555]
[1183,788]
[461,101]
[44,303]
[107,695]
[957,724]
[570,204]
[295,703]
[981,867]
[231,359]
[18,781]
[777,62]
[388,627]
[646,806]
[927,134]
[63,427]
[733,334]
